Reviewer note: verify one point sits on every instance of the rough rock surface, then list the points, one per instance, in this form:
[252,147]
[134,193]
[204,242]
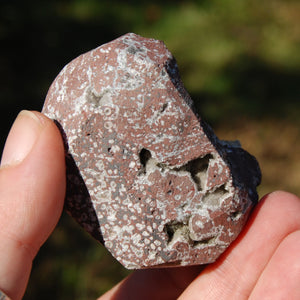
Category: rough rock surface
[146,176]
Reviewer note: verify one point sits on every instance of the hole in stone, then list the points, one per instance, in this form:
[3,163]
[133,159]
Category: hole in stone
[169,192]
[145,155]
[92,97]
[162,167]
[109,149]
[198,169]
[164,107]
[206,241]
[174,228]
[214,197]
[235,215]
[220,190]
[96,99]
[169,229]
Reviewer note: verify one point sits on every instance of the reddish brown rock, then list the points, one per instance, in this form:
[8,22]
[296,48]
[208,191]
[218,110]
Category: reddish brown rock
[146,176]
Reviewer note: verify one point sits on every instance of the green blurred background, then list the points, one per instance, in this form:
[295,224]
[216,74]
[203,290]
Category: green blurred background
[240,61]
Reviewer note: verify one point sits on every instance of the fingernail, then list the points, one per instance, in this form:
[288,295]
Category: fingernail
[21,138]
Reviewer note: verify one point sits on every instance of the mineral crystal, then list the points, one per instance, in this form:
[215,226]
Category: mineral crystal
[145,175]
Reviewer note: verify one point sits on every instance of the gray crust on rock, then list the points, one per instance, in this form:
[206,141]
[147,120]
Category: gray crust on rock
[145,175]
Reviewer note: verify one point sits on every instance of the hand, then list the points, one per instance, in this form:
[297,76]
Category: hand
[32,189]
[262,263]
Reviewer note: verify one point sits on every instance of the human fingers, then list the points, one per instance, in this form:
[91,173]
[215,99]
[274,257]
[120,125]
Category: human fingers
[32,188]
[235,274]
[281,277]
[149,284]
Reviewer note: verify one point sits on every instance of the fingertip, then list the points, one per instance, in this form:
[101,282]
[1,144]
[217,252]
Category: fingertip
[24,133]
[32,190]
[279,200]
[280,194]
[33,187]
[21,138]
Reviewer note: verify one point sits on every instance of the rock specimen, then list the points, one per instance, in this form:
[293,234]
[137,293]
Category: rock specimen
[146,176]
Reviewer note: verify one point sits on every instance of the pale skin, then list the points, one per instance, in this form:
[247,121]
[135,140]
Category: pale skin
[263,263]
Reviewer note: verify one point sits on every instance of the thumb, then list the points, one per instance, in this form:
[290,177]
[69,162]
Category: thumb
[32,189]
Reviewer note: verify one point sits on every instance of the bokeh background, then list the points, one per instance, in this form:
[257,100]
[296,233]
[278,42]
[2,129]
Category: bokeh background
[240,61]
